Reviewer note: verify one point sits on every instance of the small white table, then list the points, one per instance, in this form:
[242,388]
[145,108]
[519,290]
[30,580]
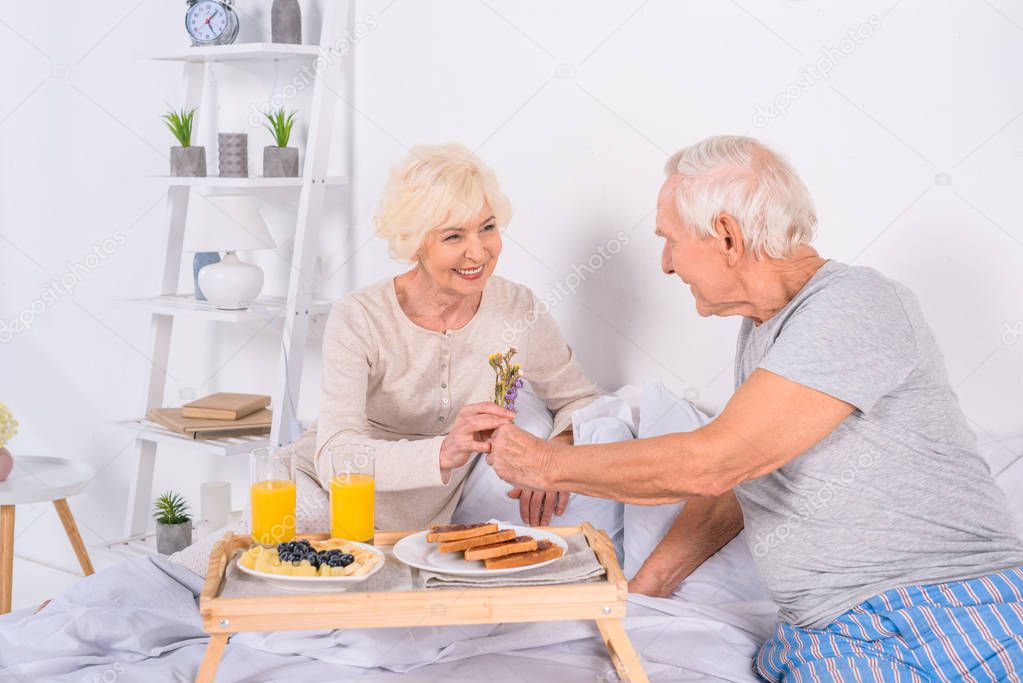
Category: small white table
[37,479]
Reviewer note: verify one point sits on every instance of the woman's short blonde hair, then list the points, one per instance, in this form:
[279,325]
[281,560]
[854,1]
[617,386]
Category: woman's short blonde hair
[435,186]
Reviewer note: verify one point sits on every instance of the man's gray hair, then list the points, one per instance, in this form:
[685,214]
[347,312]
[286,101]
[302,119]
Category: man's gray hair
[740,176]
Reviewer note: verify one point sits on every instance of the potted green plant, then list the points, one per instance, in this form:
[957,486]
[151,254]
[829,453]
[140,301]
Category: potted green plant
[185,160]
[280,161]
[173,523]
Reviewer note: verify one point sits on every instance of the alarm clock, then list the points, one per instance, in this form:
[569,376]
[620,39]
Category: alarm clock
[211,22]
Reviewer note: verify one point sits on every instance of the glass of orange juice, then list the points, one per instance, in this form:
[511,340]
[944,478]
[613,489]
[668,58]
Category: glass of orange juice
[352,492]
[272,494]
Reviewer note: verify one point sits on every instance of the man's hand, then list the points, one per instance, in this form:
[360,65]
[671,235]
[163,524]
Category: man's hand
[704,526]
[647,583]
[537,507]
[520,458]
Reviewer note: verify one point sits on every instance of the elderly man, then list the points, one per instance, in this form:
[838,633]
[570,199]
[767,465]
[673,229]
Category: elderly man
[874,523]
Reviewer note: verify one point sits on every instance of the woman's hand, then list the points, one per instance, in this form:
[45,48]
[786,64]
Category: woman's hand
[537,507]
[465,437]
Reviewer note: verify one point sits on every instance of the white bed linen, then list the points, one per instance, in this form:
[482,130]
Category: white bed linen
[137,621]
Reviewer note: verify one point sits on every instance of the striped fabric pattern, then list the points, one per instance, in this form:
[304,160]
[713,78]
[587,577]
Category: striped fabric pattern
[969,630]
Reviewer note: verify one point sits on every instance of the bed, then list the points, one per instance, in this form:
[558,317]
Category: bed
[138,621]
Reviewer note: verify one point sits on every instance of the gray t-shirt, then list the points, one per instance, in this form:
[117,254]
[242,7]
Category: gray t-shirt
[897,495]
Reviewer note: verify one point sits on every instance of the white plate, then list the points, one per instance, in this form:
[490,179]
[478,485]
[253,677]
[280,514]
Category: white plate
[316,584]
[415,551]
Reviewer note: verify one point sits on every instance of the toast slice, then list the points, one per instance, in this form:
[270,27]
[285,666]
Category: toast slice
[466,543]
[440,533]
[545,550]
[519,544]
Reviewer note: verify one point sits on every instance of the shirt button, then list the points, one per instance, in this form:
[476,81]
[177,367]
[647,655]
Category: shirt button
[440,419]
[443,367]
[443,385]
[444,401]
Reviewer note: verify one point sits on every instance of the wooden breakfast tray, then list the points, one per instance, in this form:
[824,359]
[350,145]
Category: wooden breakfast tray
[602,600]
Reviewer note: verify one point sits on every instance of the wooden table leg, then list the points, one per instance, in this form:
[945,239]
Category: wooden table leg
[6,557]
[211,660]
[623,655]
[68,520]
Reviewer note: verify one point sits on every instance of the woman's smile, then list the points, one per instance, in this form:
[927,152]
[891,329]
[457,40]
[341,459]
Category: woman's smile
[469,273]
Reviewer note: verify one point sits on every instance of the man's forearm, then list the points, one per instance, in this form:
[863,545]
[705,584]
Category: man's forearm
[702,528]
[654,471]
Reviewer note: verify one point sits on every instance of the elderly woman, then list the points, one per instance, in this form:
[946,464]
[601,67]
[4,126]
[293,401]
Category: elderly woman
[406,359]
[875,524]
[406,371]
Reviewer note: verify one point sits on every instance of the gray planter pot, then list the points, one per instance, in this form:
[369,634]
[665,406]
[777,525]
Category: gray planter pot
[188,161]
[233,149]
[286,22]
[280,162]
[170,538]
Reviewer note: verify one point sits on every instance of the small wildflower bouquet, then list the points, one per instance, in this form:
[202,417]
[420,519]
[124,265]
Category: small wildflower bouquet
[509,379]
[8,425]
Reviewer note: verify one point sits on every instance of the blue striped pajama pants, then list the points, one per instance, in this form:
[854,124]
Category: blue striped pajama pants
[968,630]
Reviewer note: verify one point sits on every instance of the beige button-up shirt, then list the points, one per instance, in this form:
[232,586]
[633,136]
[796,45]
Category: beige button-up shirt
[396,387]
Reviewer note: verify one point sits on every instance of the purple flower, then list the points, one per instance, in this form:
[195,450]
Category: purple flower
[512,394]
[518,383]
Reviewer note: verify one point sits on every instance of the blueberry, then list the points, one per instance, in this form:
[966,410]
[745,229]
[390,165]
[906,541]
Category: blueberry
[346,559]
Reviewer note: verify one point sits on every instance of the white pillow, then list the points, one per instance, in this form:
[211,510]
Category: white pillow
[660,412]
[730,574]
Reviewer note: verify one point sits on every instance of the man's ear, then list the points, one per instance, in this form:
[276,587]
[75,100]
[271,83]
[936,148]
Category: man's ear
[729,237]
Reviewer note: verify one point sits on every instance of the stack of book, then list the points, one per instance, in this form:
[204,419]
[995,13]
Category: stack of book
[216,416]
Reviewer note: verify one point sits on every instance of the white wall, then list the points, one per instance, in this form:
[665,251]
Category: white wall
[912,146]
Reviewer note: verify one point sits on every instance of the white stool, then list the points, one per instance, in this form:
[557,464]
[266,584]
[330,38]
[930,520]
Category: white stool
[37,479]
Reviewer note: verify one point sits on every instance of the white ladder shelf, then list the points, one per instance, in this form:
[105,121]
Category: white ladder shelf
[294,310]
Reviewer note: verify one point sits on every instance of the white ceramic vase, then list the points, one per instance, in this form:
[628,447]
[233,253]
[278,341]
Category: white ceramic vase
[231,284]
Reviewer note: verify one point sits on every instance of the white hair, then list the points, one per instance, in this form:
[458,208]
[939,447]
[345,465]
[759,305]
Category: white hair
[741,177]
[433,187]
